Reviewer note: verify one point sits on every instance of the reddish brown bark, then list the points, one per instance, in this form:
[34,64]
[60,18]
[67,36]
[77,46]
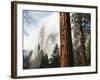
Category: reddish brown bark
[66,57]
[82,48]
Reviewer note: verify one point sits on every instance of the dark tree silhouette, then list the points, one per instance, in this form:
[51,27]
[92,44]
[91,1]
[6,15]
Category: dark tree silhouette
[55,58]
[44,60]
[26,60]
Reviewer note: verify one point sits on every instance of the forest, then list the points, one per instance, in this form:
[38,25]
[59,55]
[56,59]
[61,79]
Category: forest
[73,50]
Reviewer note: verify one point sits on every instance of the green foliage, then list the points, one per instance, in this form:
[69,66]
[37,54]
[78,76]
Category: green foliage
[82,20]
[44,60]
[76,56]
[55,59]
[88,52]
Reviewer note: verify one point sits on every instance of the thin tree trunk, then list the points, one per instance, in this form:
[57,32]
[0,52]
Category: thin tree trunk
[82,47]
[66,57]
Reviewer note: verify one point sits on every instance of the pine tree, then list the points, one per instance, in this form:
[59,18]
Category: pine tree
[44,60]
[55,58]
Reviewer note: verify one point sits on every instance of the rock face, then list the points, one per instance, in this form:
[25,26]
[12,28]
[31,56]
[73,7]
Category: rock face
[66,59]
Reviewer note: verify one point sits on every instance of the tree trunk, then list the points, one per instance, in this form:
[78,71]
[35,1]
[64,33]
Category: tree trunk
[82,47]
[66,57]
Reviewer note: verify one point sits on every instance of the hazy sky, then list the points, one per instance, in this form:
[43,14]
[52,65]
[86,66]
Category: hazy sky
[33,18]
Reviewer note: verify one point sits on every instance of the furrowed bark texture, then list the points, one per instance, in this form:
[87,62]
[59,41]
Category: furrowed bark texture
[66,57]
[82,47]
